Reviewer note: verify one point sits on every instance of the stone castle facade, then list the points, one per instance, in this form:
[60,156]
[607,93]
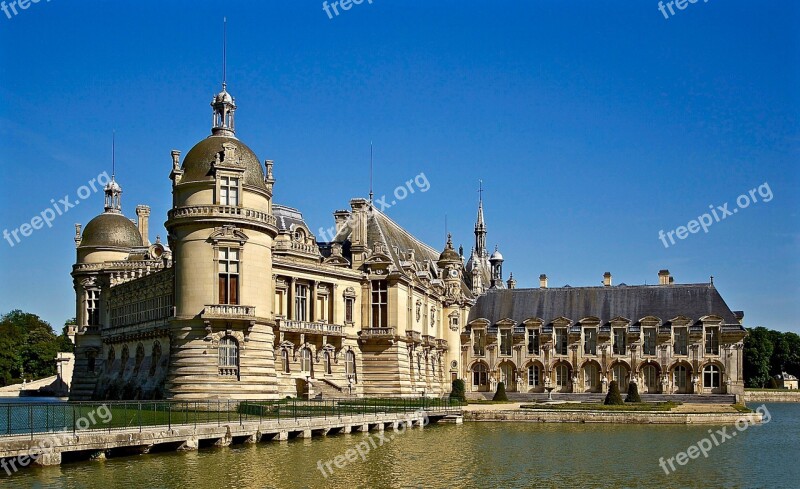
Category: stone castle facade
[243,302]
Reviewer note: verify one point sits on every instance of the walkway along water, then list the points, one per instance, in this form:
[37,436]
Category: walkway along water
[46,434]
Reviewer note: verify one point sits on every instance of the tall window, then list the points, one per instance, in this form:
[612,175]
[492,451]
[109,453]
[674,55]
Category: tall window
[348,310]
[155,358]
[228,276]
[562,375]
[533,341]
[379,304]
[479,342]
[124,360]
[228,356]
[306,365]
[681,376]
[591,376]
[327,359]
[139,358]
[712,341]
[649,345]
[301,302]
[711,376]
[681,341]
[91,361]
[229,191]
[93,307]
[620,345]
[650,378]
[561,341]
[590,341]
[506,340]
[620,374]
[350,366]
[285,361]
[533,376]
[480,375]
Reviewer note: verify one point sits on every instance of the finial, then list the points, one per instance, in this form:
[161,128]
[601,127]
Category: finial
[370,172]
[113,153]
[224,52]
[480,191]
[712,280]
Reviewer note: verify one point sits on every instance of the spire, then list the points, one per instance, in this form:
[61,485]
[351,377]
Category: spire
[480,225]
[113,191]
[223,103]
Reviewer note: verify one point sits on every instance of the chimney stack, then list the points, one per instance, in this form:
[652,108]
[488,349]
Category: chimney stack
[542,281]
[512,284]
[664,277]
[340,218]
[607,279]
[143,214]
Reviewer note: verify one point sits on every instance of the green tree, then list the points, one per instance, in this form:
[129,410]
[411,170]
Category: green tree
[613,398]
[28,347]
[758,350]
[633,393]
[458,391]
[500,395]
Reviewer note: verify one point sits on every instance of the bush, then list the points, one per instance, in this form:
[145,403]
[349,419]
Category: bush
[458,392]
[613,398]
[500,395]
[772,384]
[633,393]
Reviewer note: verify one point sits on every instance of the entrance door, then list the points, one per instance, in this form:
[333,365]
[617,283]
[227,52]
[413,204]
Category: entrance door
[681,379]
[508,375]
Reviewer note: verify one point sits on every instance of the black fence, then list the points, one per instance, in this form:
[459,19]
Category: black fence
[32,418]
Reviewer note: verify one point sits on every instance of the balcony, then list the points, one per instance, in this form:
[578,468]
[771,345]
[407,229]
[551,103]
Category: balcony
[221,212]
[228,311]
[428,340]
[442,344]
[377,333]
[229,371]
[295,246]
[414,336]
[292,326]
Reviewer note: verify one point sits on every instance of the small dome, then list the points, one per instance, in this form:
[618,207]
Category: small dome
[113,186]
[197,164]
[223,97]
[449,254]
[112,230]
[496,256]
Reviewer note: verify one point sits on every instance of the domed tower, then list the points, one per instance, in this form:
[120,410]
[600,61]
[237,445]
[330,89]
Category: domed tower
[107,239]
[221,230]
[496,261]
[455,307]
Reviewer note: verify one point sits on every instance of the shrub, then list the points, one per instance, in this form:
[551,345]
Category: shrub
[613,398]
[633,393]
[772,384]
[500,395]
[458,392]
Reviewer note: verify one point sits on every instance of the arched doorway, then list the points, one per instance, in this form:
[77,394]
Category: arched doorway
[591,377]
[713,379]
[562,373]
[480,377]
[621,374]
[650,380]
[508,376]
[682,379]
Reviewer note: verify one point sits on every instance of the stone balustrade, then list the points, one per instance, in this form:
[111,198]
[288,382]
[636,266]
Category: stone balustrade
[228,311]
[225,211]
[294,326]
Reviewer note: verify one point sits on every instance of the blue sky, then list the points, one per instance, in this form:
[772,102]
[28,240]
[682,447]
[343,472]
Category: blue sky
[593,125]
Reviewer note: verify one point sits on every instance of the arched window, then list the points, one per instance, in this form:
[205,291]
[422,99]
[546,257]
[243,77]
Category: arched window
[139,358]
[711,376]
[533,375]
[650,377]
[306,365]
[562,375]
[112,355]
[591,376]
[327,360]
[620,374]
[155,358]
[123,364]
[681,375]
[480,375]
[90,361]
[229,356]
[285,360]
[350,366]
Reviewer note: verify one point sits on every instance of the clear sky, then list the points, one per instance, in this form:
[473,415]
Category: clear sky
[593,125]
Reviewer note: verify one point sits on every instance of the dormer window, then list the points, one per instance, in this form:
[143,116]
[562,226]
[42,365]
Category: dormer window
[229,191]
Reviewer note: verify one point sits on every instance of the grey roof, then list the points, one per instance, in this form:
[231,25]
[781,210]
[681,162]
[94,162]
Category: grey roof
[198,161]
[111,229]
[632,302]
[287,217]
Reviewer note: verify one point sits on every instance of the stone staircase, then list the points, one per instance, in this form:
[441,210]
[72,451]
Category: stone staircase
[599,397]
[327,389]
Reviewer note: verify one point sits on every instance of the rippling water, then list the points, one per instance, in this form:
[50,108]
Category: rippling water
[479,455]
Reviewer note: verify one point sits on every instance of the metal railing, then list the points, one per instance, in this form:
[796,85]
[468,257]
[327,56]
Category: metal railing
[37,418]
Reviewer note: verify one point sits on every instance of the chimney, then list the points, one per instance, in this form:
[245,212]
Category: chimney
[664,277]
[143,213]
[607,279]
[341,218]
[512,284]
[542,281]
[739,315]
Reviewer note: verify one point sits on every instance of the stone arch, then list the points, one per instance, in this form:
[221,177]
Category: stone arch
[561,373]
[649,375]
[590,377]
[479,373]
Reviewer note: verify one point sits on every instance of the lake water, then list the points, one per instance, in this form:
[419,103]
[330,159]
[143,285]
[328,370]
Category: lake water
[472,455]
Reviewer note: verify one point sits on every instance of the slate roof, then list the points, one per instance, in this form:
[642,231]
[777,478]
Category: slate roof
[288,216]
[633,302]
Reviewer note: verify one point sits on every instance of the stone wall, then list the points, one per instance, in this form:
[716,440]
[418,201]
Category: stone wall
[557,416]
[772,396]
